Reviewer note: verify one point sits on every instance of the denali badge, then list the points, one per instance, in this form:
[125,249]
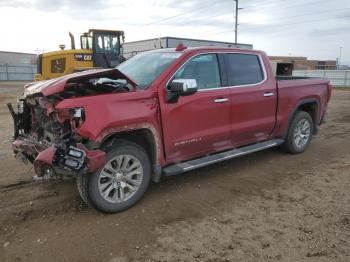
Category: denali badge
[190,141]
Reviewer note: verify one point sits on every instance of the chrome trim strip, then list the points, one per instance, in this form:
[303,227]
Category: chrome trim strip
[269,94]
[221,100]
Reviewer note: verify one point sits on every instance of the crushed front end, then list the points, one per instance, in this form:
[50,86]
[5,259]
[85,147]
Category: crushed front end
[48,138]
[46,133]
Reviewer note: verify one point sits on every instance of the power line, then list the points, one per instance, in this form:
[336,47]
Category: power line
[285,7]
[225,31]
[200,18]
[286,18]
[278,7]
[266,4]
[307,14]
[296,23]
[282,25]
[178,15]
[208,17]
[211,5]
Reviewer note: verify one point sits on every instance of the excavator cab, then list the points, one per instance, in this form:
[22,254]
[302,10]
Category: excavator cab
[106,46]
[99,49]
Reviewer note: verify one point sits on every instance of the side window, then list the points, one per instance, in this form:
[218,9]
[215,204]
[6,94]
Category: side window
[204,69]
[244,69]
[58,65]
[99,44]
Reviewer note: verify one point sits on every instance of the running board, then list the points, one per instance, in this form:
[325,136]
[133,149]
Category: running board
[211,159]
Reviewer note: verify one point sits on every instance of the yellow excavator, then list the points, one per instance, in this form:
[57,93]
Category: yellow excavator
[99,49]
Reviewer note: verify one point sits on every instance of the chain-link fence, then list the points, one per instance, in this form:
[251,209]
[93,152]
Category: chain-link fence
[18,73]
[339,78]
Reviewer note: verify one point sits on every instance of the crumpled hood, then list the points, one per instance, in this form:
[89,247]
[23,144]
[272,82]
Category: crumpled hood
[36,87]
[57,85]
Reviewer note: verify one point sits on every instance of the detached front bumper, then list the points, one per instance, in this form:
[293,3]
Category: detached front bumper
[73,160]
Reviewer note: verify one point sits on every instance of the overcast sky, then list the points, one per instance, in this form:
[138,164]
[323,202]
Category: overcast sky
[313,28]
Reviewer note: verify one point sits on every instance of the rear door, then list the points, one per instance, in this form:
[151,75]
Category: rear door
[200,123]
[253,98]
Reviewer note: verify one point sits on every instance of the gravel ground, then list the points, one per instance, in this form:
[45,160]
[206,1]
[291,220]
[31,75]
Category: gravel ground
[268,206]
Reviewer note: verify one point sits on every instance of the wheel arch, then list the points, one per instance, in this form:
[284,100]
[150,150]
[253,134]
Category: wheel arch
[146,137]
[311,106]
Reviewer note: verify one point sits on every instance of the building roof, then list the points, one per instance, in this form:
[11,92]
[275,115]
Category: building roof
[189,39]
[19,53]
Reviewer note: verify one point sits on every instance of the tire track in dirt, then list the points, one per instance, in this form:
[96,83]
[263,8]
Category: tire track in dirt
[266,206]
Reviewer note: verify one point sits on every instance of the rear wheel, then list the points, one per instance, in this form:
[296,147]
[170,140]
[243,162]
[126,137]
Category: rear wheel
[122,181]
[299,133]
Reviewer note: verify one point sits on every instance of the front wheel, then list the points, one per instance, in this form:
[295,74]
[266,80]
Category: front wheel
[122,181]
[299,133]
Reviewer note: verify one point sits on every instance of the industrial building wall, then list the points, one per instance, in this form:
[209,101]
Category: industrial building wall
[17,66]
[338,78]
[174,41]
[303,63]
[16,58]
[132,48]
[19,73]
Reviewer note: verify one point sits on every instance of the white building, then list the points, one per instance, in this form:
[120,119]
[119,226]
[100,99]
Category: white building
[17,66]
[132,48]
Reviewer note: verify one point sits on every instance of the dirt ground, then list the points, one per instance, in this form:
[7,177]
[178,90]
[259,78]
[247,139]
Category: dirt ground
[269,206]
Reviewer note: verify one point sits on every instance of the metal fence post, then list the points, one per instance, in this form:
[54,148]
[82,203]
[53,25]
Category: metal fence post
[7,72]
[346,77]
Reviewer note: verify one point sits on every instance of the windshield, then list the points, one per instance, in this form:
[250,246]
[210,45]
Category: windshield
[144,68]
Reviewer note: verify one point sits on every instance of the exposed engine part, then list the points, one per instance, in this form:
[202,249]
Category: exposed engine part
[40,136]
[48,136]
[93,86]
[115,84]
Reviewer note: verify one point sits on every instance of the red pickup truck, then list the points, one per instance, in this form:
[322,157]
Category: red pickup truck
[162,112]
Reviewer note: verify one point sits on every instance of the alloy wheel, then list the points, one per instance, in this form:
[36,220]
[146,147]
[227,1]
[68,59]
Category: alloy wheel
[302,133]
[120,178]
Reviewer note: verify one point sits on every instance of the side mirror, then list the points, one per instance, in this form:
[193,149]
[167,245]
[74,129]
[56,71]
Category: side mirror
[181,87]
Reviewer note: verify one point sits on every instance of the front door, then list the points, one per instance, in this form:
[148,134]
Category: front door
[199,123]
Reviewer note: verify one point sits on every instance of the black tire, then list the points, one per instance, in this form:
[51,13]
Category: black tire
[82,187]
[121,148]
[290,145]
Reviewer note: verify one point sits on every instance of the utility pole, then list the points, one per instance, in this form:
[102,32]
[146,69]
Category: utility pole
[236,22]
[340,49]
[39,51]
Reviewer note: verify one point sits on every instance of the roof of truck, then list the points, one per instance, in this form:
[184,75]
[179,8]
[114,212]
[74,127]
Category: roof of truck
[206,49]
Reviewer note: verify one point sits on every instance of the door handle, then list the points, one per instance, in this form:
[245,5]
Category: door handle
[221,100]
[269,94]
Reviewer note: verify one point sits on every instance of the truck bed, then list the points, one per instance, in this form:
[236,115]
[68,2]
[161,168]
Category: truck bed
[278,78]
[294,89]
[299,82]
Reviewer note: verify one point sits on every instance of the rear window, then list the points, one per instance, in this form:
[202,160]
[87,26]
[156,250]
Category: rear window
[243,69]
